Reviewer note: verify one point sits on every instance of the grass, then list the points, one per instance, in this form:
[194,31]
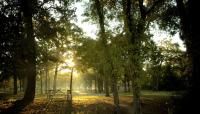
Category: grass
[151,93]
[152,103]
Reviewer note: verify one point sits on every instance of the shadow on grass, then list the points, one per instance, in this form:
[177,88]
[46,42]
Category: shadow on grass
[15,108]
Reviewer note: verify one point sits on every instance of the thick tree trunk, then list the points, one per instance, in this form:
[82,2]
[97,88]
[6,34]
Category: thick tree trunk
[193,38]
[194,25]
[136,95]
[127,8]
[31,58]
[189,22]
[31,66]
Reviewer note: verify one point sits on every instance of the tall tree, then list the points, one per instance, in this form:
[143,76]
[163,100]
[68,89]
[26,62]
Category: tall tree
[189,22]
[28,8]
[135,27]
[100,13]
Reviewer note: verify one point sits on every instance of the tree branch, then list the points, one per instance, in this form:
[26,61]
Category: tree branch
[156,3]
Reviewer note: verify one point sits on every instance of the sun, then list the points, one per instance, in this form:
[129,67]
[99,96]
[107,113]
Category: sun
[70,63]
[67,66]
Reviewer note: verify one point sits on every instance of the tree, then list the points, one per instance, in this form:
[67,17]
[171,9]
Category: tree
[10,39]
[189,24]
[182,17]
[27,8]
[36,23]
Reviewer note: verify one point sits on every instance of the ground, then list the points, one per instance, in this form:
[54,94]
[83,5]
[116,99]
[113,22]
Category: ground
[156,103]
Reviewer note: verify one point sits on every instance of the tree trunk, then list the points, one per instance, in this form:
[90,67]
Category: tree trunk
[95,86]
[46,78]
[125,86]
[27,7]
[194,25]
[15,82]
[100,84]
[48,81]
[4,86]
[136,95]
[71,80]
[55,78]
[106,87]
[100,13]
[189,21]
[128,83]
[41,83]
[31,57]
[24,84]
[125,83]
[115,94]
[134,34]
[20,85]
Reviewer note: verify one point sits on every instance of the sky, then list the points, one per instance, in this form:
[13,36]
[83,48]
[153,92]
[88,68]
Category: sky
[88,28]
[91,29]
[159,35]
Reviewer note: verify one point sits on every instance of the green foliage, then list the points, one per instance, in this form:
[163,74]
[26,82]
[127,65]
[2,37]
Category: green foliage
[10,28]
[167,68]
[167,17]
[122,48]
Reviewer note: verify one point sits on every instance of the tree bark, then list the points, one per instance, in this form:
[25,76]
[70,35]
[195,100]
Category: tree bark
[55,78]
[27,8]
[71,80]
[15,81]
[100,84]
[125,83]
[20,85]
[46,77]
[107,87]
[41,83]
[100,13]
[115,94]
[127,8]
[128,84]
[95,86]
[194,25]
[189,21]
[136,93]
